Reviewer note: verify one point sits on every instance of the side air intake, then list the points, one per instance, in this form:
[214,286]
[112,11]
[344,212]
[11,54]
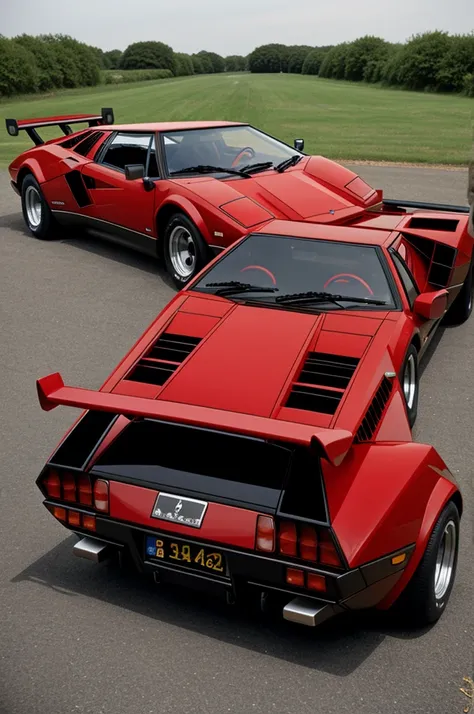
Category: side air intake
[374,413]
[163,359]
[322,382]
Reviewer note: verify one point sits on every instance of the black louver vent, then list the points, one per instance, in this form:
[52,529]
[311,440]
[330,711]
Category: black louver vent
[322,370]
[163,359]
[74,140]
[91,140]
[372,417]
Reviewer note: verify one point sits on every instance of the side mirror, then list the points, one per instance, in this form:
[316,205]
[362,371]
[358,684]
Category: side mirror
[134,172]
[299,144]
[431,306]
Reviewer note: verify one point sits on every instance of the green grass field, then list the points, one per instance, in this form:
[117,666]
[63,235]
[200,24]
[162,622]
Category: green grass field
[340,120]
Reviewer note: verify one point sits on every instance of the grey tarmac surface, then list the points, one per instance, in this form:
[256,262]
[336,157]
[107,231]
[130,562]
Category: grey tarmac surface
[77,638]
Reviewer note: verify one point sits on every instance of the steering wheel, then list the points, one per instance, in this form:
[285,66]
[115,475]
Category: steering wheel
[264,270]
[247,151]
[341,278]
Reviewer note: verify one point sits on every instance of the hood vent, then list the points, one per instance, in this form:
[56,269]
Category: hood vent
[374,413]
[322,382]
[163,359]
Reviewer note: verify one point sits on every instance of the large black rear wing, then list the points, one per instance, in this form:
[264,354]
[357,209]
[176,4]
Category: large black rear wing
[14,126]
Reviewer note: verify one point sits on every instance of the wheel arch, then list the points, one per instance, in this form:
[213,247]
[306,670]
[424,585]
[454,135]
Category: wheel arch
[31,167]
[178,204]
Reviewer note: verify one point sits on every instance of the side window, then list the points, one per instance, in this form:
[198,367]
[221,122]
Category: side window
[127,149]
[406,277]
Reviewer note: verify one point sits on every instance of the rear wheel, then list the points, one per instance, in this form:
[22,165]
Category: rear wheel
[36,212]
[461,308]
[426,595]
[185,251]
[409,380]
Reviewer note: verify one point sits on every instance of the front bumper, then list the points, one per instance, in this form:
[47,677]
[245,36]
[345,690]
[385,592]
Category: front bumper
[251,573]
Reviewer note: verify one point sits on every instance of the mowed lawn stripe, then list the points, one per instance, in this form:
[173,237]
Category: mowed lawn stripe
[341,120]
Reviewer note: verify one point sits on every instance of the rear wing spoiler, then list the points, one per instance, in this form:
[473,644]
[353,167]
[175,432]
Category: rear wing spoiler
[14,126]
[332,444]
[421,206]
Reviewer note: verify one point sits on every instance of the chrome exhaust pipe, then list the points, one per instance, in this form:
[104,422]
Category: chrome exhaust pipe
[92,549]
[311,613]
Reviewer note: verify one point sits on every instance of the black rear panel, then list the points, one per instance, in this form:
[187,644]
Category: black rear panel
[215,465]
[83,439]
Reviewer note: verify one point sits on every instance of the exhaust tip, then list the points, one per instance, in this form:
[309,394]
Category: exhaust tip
[92,549]
[311,613]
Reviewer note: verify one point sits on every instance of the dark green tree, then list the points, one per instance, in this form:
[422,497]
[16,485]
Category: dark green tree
[360,53]
[420,61]
[148,55]
[49,71]
[18,70]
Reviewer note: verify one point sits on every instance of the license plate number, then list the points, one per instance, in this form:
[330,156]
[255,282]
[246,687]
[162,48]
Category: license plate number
[191,555]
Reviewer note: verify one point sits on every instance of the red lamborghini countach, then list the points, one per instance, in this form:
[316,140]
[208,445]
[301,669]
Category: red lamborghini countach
[182,191]
[256,440]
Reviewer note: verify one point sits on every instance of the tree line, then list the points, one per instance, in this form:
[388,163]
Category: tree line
[39,64]
[433,61]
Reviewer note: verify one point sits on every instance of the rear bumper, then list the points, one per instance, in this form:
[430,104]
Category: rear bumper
[251,573]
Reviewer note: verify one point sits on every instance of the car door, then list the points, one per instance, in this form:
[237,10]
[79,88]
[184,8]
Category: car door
[119,203]
[426,327]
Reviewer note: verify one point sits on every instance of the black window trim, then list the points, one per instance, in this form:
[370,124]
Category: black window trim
[99,157]
[395,255]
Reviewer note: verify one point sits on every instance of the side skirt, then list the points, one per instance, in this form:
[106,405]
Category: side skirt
[109,231]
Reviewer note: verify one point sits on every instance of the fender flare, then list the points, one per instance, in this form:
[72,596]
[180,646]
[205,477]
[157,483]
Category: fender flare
[443,492]
[32,166]
[187,207]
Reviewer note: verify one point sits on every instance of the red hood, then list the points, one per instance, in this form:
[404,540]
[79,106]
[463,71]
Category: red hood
[248,359]
[315,189]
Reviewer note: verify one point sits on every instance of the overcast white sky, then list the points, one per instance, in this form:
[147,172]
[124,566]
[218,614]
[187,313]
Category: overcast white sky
[232,26]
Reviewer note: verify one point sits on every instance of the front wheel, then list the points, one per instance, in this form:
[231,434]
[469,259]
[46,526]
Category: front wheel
[36,212]
[410,383]
[425,598]
[185,251]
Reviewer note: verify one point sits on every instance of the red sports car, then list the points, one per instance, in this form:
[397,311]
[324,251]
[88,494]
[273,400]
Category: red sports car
[182,191]
[256,442]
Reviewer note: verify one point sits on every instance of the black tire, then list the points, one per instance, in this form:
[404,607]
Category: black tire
[181,229]
[42,225]
[419,603]
[461,308]
[410,393]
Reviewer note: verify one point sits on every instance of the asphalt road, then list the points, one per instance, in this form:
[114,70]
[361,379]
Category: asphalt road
[75,637]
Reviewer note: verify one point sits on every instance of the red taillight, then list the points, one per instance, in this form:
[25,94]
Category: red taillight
[287,539]
[74,518]
[308,543]
[85,490]
[101,495]
[295,577]
[88,522]
[59,513]
[328,554]
[317,582]
[52,485]
[69,487]
[265,538]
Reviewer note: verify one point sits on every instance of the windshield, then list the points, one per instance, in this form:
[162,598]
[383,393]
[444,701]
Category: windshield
[231,147]
[271,269]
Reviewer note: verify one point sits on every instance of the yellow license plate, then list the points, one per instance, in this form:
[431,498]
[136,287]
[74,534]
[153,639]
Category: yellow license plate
[191,555]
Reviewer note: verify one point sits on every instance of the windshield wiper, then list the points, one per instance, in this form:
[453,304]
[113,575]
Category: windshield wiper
[201,169]
[311,296]
[232,287]
[292,161]
[254,168]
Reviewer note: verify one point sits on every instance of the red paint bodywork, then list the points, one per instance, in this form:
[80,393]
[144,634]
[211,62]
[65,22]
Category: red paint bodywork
[382,495]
